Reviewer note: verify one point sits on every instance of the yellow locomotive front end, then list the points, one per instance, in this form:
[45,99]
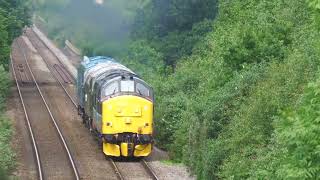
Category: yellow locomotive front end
[127,126]
[117,106]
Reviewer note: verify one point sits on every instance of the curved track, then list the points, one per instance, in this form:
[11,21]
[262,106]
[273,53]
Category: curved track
[34,143]
[62,83]
[53,157]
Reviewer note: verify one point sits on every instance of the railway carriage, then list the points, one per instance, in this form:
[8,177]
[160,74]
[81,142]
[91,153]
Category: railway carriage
[116,105]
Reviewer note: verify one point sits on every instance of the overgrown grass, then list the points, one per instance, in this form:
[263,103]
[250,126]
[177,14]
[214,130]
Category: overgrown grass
[7,155]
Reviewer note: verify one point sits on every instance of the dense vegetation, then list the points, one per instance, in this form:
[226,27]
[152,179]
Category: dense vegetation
[236,101]
[236,84]
[14,15]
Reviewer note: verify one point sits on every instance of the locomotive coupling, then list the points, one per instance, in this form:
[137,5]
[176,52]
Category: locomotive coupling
[127,145]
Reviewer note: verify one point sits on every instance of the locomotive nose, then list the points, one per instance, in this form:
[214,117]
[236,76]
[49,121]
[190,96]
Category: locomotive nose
[129,114]
[127,123]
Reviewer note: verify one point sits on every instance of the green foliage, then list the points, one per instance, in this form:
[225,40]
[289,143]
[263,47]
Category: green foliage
[3,174]
[4,87]
[14,15]
[295,152]
[143,58]
[174,27]
[161,17]
[314,3]
[178,44]
[6,154]
[301,144]
[4,45]
[232,78]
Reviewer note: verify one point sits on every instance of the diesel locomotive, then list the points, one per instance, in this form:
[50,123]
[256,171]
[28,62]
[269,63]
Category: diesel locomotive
[117,106]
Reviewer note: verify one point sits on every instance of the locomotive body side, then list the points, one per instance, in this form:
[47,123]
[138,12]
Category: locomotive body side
[117,106]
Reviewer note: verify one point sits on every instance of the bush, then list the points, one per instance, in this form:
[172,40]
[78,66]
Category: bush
[294,153]
[220,104]
[14,16]
[3,174]
[7,156]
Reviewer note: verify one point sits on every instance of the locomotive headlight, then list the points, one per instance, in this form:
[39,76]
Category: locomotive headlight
[109,124]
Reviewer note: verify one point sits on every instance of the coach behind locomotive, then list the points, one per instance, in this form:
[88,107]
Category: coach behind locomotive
[117,106]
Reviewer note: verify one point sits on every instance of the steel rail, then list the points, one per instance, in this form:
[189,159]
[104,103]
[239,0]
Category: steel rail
[50,69]
[34,143]
[115,167]
[59,60]
[149,170]
[113,164]
[71,160]
[63,74]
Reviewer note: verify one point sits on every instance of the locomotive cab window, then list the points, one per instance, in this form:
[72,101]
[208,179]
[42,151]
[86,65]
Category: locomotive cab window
[127,86]
[111,89]
[142,90]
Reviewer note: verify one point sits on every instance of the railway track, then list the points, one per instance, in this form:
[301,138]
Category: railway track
[149,169]
[62,83]
[56,67]
[126,173]
[52,154]
[34,143]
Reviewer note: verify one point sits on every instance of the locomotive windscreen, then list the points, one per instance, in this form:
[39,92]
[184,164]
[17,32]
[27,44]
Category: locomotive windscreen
[127,86]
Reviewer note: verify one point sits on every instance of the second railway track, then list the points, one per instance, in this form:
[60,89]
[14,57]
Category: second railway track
[53,157]
[90,161]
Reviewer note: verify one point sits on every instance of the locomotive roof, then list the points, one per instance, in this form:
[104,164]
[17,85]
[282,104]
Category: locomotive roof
[88,63]
[103,79]
[98,68]
[104,68]
[109,74]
